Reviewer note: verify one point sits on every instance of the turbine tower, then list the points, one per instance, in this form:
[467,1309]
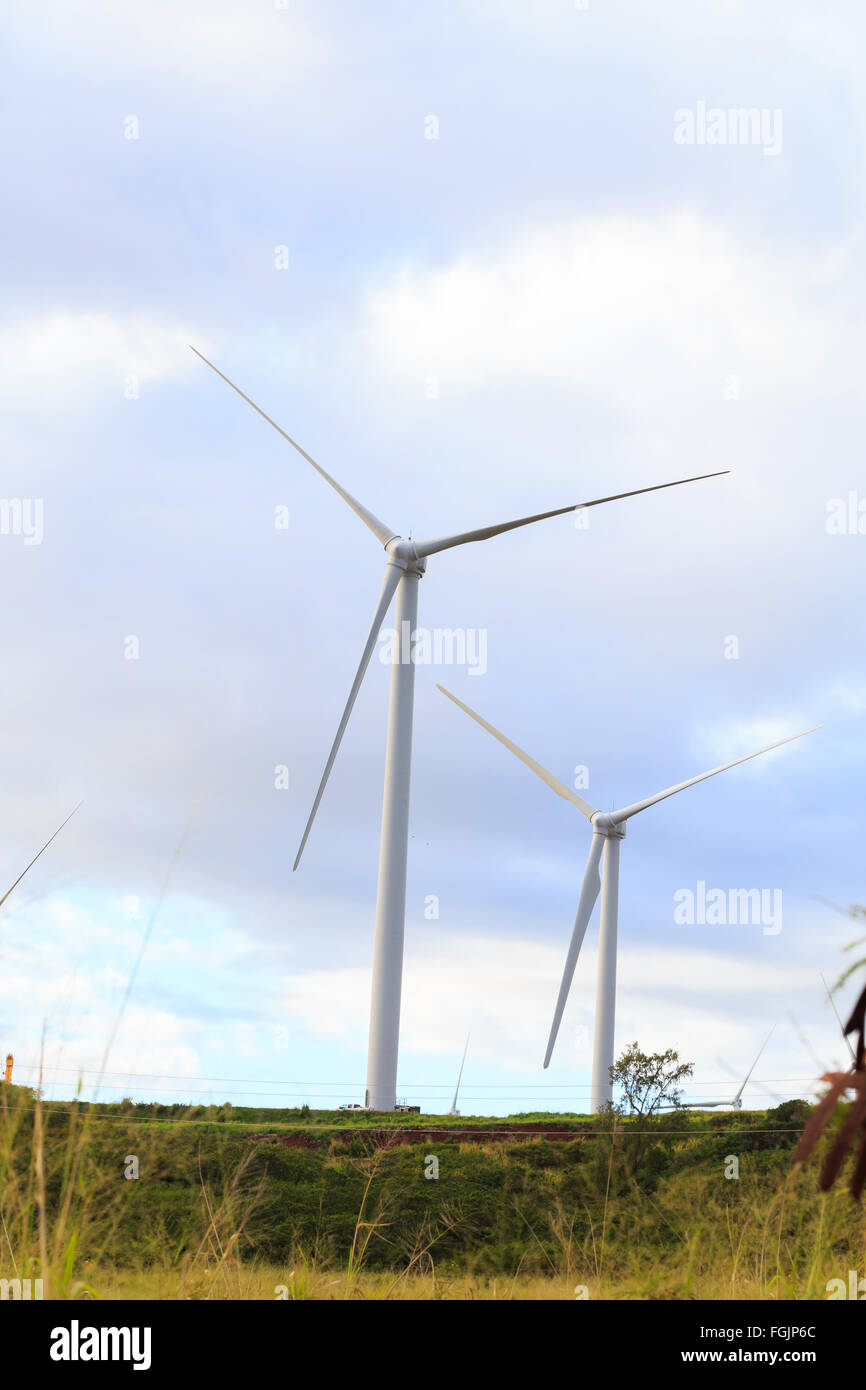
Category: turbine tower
[608,832]
[405,563]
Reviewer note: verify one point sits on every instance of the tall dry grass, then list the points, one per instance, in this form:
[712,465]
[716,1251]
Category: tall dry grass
[64,1217]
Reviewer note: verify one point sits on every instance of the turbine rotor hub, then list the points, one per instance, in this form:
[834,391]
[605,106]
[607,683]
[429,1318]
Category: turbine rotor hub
[403,554]
[605,825]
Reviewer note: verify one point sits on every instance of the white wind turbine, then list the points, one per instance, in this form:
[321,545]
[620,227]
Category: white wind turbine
[454,1110]
[737,1102]
[608,830]
[405,563]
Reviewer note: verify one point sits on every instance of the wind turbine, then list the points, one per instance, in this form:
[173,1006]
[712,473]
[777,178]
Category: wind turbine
[608,831]
[454,1110]
[405,563]
[737,1102]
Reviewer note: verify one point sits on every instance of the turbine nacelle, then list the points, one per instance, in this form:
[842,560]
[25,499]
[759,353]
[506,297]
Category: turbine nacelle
[604,823]
[404,555]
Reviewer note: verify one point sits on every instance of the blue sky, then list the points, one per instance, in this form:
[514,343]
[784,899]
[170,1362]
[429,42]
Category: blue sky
[551,300]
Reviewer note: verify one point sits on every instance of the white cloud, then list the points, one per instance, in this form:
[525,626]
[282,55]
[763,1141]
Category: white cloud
[625,309]
[150,1041]
[849,696]
[732,738]
[64,355]
[702,1001]
[505,990]
[64,969]
[205,41]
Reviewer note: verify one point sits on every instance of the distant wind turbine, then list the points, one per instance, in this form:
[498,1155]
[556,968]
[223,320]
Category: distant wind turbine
[736,1103]
[405,563]
[608,830]
[454,1110]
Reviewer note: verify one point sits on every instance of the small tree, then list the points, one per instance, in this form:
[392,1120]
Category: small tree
[649,1081]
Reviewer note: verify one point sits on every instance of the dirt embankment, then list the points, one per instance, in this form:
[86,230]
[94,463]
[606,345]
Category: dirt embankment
[392,1136]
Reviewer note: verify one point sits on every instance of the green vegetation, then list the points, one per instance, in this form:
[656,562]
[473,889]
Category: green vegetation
[649,1081]
[237,1203]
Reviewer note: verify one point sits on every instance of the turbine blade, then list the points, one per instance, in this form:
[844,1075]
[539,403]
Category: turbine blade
[553,782]
[453,1110]
[484,533]
[845,911]
[694,1105]
[822,1066]
[839,1020]
[589,891]
[754,1064]
[619,816]
[392,578]
[36,856]
[379,529]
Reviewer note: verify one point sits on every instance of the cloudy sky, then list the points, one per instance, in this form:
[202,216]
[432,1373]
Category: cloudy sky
[482,258]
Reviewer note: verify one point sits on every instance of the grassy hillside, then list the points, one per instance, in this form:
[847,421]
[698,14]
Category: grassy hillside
[236,1203]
